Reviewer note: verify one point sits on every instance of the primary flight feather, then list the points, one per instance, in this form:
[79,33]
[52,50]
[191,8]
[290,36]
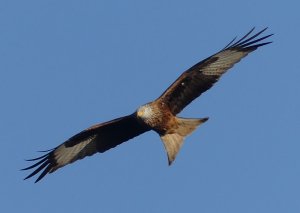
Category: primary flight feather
[158,115]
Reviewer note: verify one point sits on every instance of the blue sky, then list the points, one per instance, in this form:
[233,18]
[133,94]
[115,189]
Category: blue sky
[66,65]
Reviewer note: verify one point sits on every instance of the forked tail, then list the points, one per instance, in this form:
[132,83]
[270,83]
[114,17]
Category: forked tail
[174,141]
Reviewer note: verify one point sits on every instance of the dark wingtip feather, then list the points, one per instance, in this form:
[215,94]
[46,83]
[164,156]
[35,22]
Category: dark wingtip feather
[45,163]
[34,159]
[36,164]
[49,150]
[244,37]
[230,43]
[46,171]
[249,42]
[205,119]
[37,170]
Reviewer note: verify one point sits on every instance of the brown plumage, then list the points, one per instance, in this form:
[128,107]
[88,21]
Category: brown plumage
[159,115]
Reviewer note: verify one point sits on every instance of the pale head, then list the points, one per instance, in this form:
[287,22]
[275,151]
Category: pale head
[144,111]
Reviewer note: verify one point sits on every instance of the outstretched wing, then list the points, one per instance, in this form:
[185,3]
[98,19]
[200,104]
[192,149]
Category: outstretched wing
[199,78]
[98,138]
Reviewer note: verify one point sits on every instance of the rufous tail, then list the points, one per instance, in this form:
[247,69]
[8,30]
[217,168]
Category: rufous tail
[174,141]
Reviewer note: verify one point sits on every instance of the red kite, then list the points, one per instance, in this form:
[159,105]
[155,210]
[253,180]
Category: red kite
[158,115]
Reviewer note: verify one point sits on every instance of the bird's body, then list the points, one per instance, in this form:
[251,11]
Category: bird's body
[159,115]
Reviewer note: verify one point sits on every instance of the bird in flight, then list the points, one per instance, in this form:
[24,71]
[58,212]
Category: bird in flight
[158,115]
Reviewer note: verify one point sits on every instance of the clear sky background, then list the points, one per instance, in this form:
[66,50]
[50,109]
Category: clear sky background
[65,65]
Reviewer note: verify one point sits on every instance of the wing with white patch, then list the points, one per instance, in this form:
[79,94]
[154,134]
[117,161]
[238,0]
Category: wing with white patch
[202,76]
[98,138]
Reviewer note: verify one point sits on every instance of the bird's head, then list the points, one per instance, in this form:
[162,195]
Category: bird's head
[144,112]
